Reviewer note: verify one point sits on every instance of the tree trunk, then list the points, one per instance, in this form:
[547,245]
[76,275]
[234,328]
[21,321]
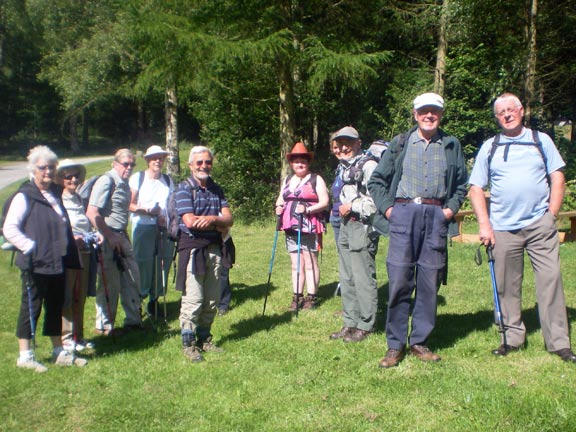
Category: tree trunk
[171,121]
[287,134]
[74,146]
[440,71]
[530,82]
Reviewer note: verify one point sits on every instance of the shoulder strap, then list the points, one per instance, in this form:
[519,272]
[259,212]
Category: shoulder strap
[536,142]
[166,178]
[140,179]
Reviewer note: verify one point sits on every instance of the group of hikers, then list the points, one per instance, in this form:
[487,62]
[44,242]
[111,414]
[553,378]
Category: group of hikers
[65,234]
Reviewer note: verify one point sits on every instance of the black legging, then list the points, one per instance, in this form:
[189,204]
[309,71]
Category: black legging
[47,290]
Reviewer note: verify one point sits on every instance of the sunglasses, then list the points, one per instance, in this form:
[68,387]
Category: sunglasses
[127,164]
[45,167]
[205,162]
[71,176]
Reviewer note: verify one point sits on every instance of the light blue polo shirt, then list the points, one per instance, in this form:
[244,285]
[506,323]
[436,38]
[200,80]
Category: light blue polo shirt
[519,189]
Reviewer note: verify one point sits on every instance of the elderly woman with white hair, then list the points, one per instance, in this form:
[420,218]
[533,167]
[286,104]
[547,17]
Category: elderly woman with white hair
[38,226]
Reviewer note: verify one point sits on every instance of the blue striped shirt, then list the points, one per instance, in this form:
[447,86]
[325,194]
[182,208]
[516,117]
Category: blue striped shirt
[207,201]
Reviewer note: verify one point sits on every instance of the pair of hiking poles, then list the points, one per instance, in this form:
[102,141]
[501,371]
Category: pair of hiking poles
[498,317]
[299,253]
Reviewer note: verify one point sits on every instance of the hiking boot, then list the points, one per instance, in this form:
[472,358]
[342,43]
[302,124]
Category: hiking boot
[310,302]
[67,359]
[566,355]
[344,331]
[209,346]
[503,350]
[357,335]
[424,353]
[297,299]
[193,354]
[392,358]
[31,363]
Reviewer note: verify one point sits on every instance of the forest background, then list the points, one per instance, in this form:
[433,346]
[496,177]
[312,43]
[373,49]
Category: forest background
[249,78]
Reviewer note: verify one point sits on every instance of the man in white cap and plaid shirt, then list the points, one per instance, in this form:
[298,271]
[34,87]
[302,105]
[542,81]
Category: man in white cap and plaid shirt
[418,187]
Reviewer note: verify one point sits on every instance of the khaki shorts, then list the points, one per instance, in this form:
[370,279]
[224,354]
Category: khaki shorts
[308,242]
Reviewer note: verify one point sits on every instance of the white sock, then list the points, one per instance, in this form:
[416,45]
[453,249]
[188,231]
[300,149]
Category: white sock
[26,355]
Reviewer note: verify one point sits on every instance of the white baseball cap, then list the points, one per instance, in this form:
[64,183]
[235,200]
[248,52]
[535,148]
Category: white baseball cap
[429,99]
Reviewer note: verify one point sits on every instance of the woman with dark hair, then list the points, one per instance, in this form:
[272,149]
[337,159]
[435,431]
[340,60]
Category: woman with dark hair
[302,200]
[38,226]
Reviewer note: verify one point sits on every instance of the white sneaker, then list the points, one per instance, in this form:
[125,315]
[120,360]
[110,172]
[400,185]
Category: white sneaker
[80,346]
[31,363]
[67,359]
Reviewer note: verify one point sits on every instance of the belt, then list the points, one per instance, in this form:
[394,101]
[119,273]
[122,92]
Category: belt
[419,200]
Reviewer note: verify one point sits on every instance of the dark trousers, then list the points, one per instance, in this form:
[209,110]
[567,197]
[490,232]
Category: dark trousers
[47,290]
[416,262]
[225,290]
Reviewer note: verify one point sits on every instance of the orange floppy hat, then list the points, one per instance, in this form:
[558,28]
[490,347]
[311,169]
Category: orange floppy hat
[300,149]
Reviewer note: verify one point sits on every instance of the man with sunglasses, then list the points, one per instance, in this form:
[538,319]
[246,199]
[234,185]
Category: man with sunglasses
[108,211]
[418,186]
[204,217]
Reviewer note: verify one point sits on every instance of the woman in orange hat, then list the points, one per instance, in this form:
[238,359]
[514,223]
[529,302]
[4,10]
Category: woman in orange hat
[303,195]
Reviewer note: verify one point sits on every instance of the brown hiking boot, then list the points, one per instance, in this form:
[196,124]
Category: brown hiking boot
[344,331]
[193,354]
[297,299]
[310,302]
[392,358]
[209,346]
[357,335]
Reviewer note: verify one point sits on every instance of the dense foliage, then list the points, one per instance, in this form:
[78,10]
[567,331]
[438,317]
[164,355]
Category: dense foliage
[254,76]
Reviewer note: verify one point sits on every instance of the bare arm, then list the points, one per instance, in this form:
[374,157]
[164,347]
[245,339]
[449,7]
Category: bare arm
[557,189]
[97,220]
[478,201]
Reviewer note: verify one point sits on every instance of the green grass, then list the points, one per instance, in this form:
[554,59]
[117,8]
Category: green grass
[282,373]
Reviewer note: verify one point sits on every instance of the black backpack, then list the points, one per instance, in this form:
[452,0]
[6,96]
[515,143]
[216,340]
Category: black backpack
[535,142]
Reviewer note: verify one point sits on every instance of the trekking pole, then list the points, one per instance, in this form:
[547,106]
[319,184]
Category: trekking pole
[299,252]
[163,271]
[278,226]
[28,276]
[156,264]
[106,294]
[75,301]
[497,310]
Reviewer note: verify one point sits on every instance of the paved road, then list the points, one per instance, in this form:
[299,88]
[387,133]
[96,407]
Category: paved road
[11,172]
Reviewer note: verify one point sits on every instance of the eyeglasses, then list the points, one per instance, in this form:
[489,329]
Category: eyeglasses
[45,167]
[207,162]
[503,112]
[429,110]
[71,176]
[127,164]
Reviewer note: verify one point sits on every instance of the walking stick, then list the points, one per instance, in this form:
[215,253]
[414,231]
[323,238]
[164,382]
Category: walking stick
[278,225]
[75,301]
[497,310]
[164,275]
[498,317]
[28,276]
[106,294]
[299,252]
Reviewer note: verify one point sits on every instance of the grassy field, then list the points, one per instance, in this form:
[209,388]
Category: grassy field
[282,373]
